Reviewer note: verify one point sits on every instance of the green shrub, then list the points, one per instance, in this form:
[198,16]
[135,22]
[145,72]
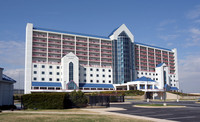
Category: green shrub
[45,100]
[118,93]
[78,99]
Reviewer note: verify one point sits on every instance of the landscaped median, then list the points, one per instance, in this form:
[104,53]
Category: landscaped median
[158,106]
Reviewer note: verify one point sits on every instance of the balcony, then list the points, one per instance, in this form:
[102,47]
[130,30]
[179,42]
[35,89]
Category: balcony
[92,55]
[152,66]
[94,51]
[83,59]
[38,45]
[165,54]
[54,47]
[143,57]
[68,39]
[68,48]
[158,59]
[144,65]
[81,45]
[41,41]
[143,53]
[158,55]
[106,48]
[56,57]
[40,36]
[171,55]
[151,51]
[95,60]
[109,44]
[39,50]
[152,55]
[81,54]
[143,61]
[95,47]
[143,50]
[82,50]
[151,62]
[54,37]
[106,61]
[39,55]
[103,52]
[165,57]
[106,56]
[54,52]
[69,44]
[54,42]
[83,41]
[93,42]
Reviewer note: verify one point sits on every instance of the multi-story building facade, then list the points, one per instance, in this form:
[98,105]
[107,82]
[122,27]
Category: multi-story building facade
[63,61]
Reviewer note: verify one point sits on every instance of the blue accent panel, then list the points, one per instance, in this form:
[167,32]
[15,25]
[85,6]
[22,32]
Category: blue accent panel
[152,46]
[173,88]
[81,34]
[47,84]
[155,87]
[91,85]
[159,65]
[144,79]
[5,77]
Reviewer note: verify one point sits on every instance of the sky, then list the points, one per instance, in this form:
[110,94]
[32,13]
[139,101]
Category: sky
[165,23]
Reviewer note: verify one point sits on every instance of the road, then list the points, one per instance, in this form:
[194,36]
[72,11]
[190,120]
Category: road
[190,113]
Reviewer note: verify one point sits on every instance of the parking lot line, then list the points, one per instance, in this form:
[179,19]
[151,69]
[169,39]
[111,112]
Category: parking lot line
[160,115]
[185,117]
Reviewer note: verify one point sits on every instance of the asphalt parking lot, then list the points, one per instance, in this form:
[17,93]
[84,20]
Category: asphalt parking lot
[190,113]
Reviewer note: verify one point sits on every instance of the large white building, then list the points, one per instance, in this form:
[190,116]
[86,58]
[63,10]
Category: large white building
[58,61]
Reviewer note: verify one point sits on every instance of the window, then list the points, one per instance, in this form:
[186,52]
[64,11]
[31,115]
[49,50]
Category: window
[50,73]
[34,78]
[109,70]
[156,78]
[71,72]
[97,69]
[58,67]
[57,79]
[103,70]
[35,72]
[137,72]
[91,81]
[103,75]
[50,67]
[50,79]
[97,81]
[43,79]
[109,81]
[84,80]
[43,66]
[91,69]
[145,73]
[84,69]
[84,74]
[43,72]
[149,73]
[103,81]
[153,74]
[97,75]
[35,66]
[109,76]
[58,73]
[156,74]
[91,75]
[142,73]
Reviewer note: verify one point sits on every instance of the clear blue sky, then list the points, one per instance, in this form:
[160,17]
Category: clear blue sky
[166,23]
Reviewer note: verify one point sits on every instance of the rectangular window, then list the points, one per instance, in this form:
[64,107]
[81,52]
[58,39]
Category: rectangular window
[35,66]
[109,70]
[91,81]
[91,69]
[57,79]
[97,75]
[50,73]
[50,79]
[34,78]
[43,72]
[58,73]
[91,75]
[103,75]
[35,72]
[43,66]
[43,79]
[58,67]
[50,67]
[97,69]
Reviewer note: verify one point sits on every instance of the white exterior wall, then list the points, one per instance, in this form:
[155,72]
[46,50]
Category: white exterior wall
[175,81]
[65,69]
[6,93]
[28,58]
[94,71]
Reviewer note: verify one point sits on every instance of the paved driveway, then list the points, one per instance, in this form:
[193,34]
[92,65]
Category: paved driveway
[191,113]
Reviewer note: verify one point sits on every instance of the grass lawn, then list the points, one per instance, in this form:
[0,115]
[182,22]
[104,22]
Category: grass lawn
[38,117]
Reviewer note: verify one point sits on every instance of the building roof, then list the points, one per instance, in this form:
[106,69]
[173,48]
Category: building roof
[47,84]
[159,65]
[143,78]
[152,46]
[6,78]
[173,88]
[74,33]
[93,85]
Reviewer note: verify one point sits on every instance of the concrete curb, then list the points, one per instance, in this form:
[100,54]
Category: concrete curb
[139,106]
